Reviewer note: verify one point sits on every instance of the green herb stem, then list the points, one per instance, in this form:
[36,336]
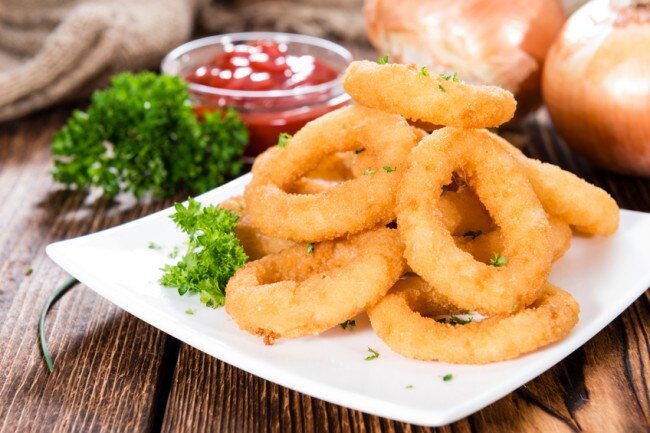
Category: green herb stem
[60,291]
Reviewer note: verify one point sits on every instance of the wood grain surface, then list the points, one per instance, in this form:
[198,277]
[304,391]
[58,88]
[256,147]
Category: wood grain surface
[115,373]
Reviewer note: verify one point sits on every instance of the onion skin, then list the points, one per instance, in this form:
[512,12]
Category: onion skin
[596,85]
[489,42]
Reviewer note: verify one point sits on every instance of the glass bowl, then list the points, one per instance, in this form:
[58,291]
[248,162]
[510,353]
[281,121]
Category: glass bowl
[271,112]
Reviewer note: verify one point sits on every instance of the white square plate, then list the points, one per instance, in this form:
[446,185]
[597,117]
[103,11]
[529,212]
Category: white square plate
[604,275]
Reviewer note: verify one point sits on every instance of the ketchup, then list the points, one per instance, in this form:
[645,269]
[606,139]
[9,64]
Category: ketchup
[263,66]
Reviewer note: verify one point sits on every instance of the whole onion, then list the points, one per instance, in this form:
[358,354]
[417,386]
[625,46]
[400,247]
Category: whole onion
[486,41]
[596,84]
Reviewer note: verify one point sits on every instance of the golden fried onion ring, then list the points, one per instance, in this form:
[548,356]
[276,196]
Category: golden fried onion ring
[256,245]
[296,293]
[503,188]
[403,89]
[350,207]
[582,205]
[398,321]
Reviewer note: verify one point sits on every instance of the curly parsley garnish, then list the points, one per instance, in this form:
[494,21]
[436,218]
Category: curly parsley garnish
[348,324]
[498,260]
[373,355]
[213,252]
[369,171]
[154,246]
[283,139]
[424,72]
[472,234]
[141,135]
[383,60]
[447,377]
[310,248]
[442,89]
[389,169]
[189,312]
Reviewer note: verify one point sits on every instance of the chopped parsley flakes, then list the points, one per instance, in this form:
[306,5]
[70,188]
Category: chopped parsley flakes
[348,324]
[283,139]
[373,355]
[455,320]
[498,260]
[453,77]
[472,234]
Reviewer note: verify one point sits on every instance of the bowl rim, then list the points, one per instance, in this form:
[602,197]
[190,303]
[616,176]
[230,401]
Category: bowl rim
[172,57]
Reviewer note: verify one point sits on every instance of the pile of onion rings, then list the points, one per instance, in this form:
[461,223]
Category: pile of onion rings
[361,211]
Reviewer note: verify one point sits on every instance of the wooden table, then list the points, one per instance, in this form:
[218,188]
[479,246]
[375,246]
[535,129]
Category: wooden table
[115,373]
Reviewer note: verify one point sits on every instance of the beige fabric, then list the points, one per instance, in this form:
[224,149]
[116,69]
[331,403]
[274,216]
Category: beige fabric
[341,20]
[52,50]
[57,50]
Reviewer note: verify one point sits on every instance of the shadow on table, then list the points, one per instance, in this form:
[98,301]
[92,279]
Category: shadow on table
[73,213]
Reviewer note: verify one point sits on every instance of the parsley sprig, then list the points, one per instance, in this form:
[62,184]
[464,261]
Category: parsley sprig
[141,135]
[213,252]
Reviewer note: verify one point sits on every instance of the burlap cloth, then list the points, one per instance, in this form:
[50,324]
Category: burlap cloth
[57,50]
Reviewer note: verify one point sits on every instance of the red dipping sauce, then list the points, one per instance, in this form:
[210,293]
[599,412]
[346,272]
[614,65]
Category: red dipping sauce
[263,65]
[273,88]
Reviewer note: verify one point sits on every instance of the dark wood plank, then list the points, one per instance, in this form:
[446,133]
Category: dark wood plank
[603,386]
[108,363]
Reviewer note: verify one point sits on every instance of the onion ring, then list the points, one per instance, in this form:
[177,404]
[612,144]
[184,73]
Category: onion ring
[350,207]
[256,245]
[398,323]
[462,211]
[402,89]
[503,188]
[582,205]
[299,293]
[482,245]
